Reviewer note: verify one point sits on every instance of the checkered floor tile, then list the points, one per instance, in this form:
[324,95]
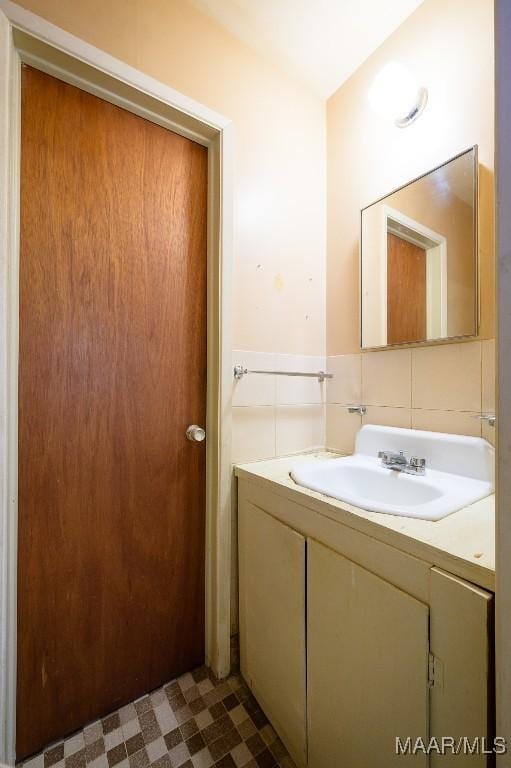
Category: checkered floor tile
[195,721]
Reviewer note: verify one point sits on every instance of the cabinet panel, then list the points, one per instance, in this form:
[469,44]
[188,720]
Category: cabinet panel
[272,622]
[406,571]
[462,642]
[367,650]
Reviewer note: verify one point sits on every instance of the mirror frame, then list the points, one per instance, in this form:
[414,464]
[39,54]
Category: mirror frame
[477,304]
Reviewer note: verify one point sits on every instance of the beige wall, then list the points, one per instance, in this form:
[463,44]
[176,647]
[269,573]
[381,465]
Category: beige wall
[283,139]
[279,238]
[449,46]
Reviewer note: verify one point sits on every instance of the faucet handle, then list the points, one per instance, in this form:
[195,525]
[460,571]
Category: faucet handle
[417,463]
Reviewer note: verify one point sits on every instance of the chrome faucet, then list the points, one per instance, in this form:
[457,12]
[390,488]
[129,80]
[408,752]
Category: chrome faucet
[399,463]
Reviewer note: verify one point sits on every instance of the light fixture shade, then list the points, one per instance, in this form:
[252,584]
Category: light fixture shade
[396,95]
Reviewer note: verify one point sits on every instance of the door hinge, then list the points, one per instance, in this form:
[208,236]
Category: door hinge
[435,671]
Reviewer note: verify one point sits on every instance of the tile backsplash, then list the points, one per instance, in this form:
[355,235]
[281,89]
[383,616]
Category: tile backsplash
[440,388]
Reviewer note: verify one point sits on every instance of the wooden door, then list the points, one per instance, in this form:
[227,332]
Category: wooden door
[367,666]
[272,622]
[112,371]
[406,291]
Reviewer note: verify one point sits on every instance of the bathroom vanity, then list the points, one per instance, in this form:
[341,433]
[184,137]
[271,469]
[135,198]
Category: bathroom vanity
[358,627]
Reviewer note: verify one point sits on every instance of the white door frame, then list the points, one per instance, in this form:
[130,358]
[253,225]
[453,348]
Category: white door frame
[29,38]
[503,293]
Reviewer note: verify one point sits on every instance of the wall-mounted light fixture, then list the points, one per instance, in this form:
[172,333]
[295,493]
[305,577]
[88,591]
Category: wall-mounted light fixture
[396,95]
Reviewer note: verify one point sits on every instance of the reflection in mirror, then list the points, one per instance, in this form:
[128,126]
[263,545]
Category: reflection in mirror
[419,258]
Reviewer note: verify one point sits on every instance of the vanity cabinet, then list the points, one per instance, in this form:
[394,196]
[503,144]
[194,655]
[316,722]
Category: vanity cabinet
[461,644]
[272,622]
[367,655]
[348,642]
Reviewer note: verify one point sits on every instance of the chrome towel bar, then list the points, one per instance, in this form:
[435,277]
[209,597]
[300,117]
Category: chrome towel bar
[240,371]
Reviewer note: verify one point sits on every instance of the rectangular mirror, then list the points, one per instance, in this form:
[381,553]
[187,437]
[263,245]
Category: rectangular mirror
[419,259]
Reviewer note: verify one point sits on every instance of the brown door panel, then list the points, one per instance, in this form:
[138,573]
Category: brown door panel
[406,291]
[112,371]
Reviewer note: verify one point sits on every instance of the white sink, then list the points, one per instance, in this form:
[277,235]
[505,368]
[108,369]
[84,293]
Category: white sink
[459,471]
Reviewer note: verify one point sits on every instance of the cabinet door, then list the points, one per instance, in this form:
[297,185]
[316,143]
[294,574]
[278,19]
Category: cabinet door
[272,622]
[462,643]
[367,650]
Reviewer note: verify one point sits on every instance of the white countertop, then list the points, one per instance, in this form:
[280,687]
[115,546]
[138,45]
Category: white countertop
[463,543]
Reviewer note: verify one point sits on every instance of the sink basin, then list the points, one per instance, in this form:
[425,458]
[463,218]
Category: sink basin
[459,471]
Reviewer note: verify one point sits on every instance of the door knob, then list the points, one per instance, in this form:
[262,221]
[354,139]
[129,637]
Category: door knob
[195,433]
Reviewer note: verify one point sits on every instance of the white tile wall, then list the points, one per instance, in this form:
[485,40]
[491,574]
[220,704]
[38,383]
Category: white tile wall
[388,416]
[387,378]
[488,377]
[447,377]
[346,386]
[253,432]
[341,428]
[488,386]
[297,391]
[455,422]
[276,415]
[299,428]
[439,388]
[254,390]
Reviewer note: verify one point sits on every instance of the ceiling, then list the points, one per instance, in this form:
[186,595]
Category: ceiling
[322,41]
